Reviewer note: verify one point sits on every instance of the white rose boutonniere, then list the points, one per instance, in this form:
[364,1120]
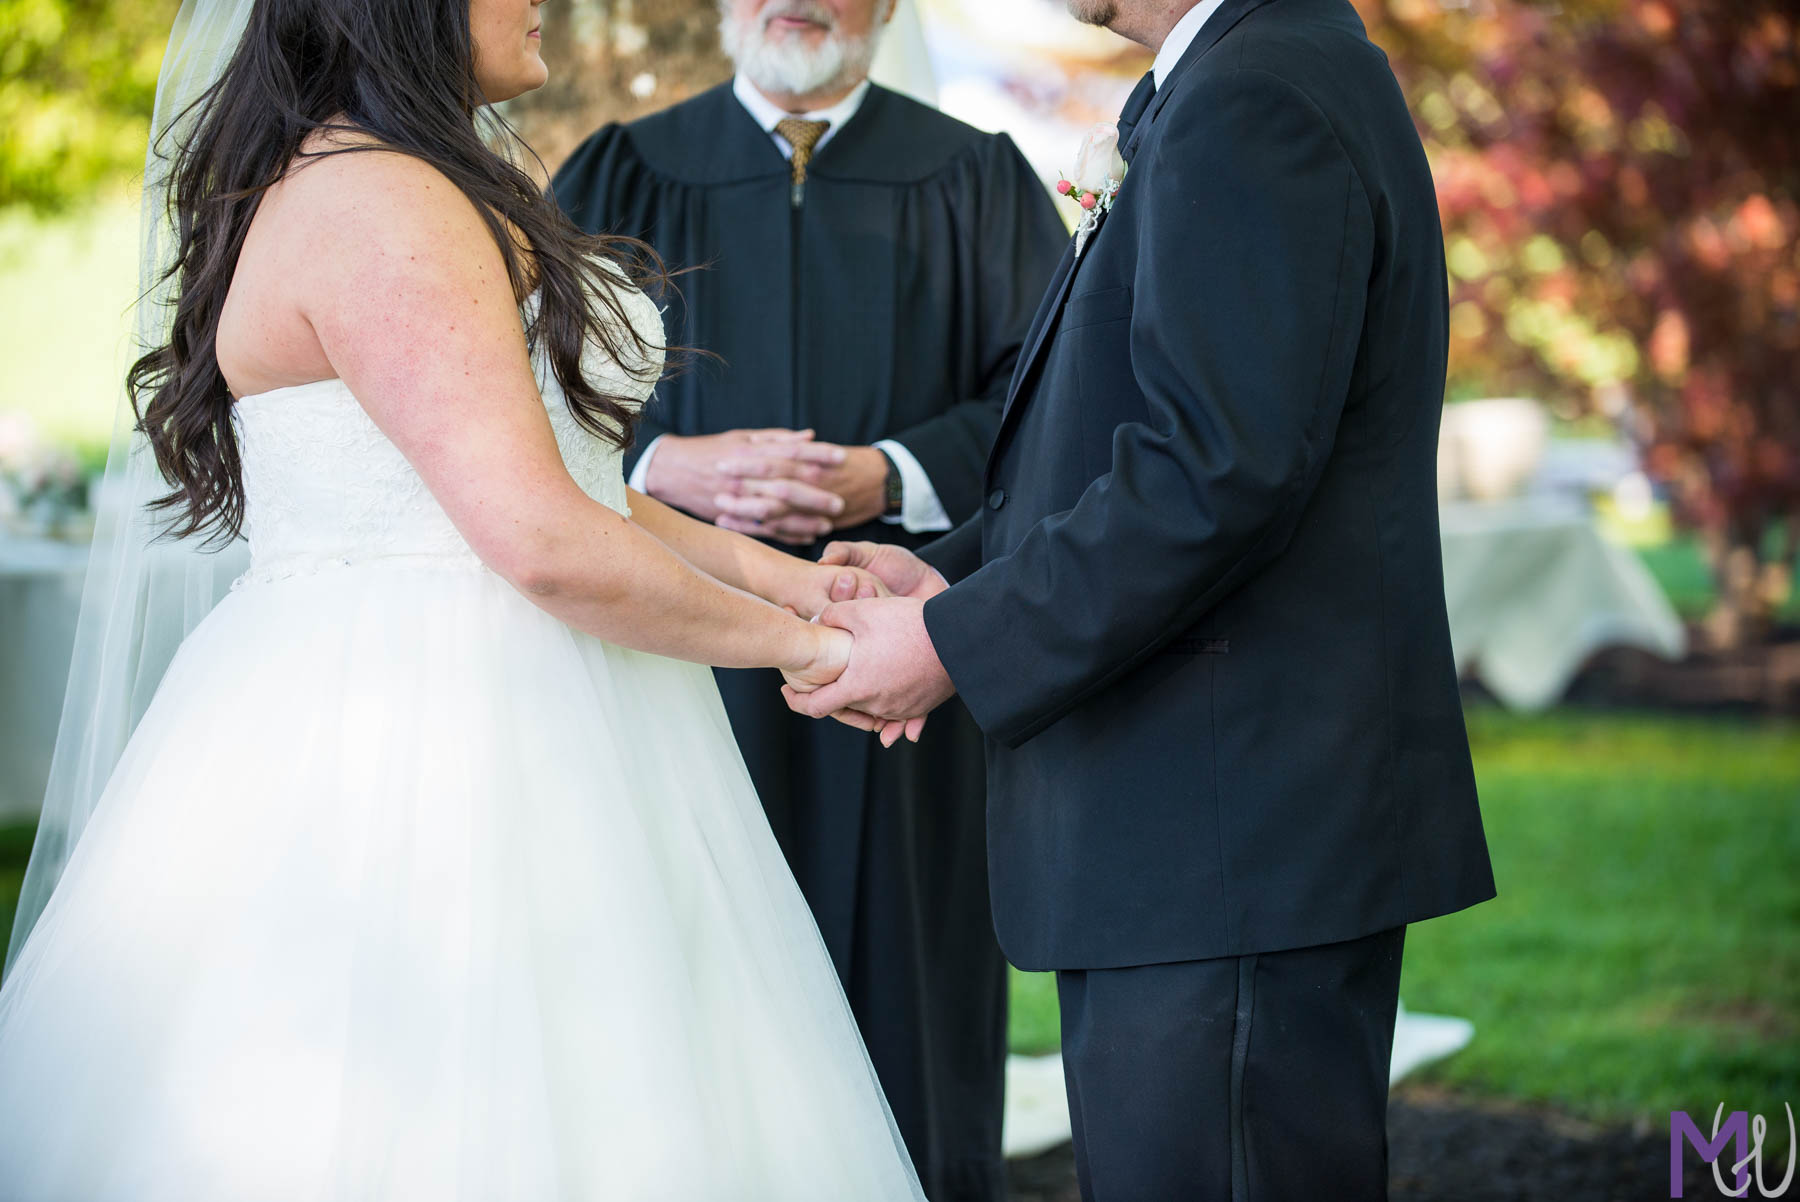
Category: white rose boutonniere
[1099,171]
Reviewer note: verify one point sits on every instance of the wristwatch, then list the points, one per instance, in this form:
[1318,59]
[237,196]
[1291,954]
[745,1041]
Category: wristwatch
[896,489]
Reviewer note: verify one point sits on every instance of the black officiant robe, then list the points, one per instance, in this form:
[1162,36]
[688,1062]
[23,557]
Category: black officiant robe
[888,299]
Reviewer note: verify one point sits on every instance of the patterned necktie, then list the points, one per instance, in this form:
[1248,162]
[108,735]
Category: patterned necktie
[803,136]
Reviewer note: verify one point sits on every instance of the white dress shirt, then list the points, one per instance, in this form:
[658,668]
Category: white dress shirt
[768,114]
[921,511]
[1181,37]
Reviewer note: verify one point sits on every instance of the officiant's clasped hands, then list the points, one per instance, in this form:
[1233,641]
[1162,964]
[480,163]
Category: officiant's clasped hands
[779,484]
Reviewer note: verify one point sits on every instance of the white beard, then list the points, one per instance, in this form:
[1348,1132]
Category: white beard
[782,64]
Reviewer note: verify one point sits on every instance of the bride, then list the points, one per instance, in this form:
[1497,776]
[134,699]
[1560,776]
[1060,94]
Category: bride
[431,871]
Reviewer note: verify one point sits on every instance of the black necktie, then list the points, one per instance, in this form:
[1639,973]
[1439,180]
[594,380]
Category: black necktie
[1133,112]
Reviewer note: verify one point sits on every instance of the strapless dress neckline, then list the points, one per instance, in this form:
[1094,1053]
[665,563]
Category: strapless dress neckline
[333,383]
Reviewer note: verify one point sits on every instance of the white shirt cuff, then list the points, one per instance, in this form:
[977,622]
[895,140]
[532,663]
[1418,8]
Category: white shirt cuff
[920,510]
[640,472]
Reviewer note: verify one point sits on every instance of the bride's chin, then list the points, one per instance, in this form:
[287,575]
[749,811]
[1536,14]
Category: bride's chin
[529,81]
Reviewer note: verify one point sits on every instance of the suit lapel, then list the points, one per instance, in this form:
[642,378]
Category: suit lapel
[1046,317]
[1216,27]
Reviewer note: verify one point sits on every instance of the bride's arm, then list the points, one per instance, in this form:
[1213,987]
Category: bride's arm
[745,563]
[408,296]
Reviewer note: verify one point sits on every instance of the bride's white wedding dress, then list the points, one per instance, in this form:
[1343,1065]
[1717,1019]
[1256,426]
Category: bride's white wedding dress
[406,890]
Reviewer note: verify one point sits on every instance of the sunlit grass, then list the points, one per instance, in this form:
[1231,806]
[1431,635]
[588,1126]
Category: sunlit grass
[15,850]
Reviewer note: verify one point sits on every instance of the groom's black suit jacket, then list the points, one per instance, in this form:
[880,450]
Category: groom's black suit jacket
[1200,616]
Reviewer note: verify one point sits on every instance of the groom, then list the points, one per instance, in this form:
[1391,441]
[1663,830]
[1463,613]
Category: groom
[1200,617]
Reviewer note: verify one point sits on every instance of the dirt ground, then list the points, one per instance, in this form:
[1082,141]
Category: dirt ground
[1446,1148]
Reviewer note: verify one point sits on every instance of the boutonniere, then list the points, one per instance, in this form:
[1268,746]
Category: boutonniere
[1099,171]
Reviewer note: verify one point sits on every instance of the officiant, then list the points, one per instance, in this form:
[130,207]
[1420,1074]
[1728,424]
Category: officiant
[868,270]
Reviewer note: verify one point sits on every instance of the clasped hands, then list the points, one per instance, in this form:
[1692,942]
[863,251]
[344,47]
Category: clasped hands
[777,484]
[891,677]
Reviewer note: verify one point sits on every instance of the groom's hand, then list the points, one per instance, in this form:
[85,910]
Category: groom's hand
[893,674]
[905,574]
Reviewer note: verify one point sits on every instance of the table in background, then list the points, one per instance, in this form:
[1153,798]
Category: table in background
[40,596]
[1534,590]
[40,602]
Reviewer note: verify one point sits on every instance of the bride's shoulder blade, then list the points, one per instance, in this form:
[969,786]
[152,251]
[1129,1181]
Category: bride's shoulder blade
[345,247]
[373,214]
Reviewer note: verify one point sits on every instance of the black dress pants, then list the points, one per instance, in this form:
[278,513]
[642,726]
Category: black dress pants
[1258,1078]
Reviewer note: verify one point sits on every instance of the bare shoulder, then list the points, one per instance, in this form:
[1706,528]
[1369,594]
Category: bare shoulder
[351,241]
[370,209]
[376,235]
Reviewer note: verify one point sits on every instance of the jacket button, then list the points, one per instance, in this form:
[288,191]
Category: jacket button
[997,498]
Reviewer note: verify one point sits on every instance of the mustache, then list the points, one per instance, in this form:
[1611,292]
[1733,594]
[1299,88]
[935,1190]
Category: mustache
[799,10]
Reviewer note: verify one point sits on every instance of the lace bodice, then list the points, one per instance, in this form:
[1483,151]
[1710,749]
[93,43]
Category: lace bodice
[324,488]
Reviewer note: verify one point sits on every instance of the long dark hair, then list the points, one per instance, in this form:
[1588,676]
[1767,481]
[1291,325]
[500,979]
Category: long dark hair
[398,75]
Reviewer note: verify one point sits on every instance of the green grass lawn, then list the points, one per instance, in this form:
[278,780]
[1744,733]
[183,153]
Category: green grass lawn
[15,849]
[1644,953]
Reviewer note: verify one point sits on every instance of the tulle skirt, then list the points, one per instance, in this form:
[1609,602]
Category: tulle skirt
[405,890]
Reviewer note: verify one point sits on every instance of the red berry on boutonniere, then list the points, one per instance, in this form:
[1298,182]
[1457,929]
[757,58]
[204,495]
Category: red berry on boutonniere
[1099,171]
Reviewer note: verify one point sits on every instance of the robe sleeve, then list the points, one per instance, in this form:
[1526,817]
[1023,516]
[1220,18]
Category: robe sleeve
[647,431]
[589,187]
[588,184]
[1018,239]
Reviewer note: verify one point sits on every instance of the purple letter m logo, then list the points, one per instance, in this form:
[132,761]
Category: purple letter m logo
[1737,1128]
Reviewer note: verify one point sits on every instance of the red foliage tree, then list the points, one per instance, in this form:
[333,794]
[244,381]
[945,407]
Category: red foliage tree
[1620,188]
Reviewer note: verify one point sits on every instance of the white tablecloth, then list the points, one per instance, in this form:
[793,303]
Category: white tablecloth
[1534,590]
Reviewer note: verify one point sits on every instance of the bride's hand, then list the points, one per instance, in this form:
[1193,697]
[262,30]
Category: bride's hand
[812,586]
[824,655]
[824,659]
[900,571]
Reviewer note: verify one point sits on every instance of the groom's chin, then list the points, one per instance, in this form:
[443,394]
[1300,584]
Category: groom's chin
[1094,12]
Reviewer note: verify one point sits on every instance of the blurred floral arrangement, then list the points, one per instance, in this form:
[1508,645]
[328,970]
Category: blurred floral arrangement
[43,488]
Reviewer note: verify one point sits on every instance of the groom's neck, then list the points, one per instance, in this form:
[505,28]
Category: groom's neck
[1148,22]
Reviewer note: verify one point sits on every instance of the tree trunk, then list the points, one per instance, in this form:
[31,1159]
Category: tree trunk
[612,60]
